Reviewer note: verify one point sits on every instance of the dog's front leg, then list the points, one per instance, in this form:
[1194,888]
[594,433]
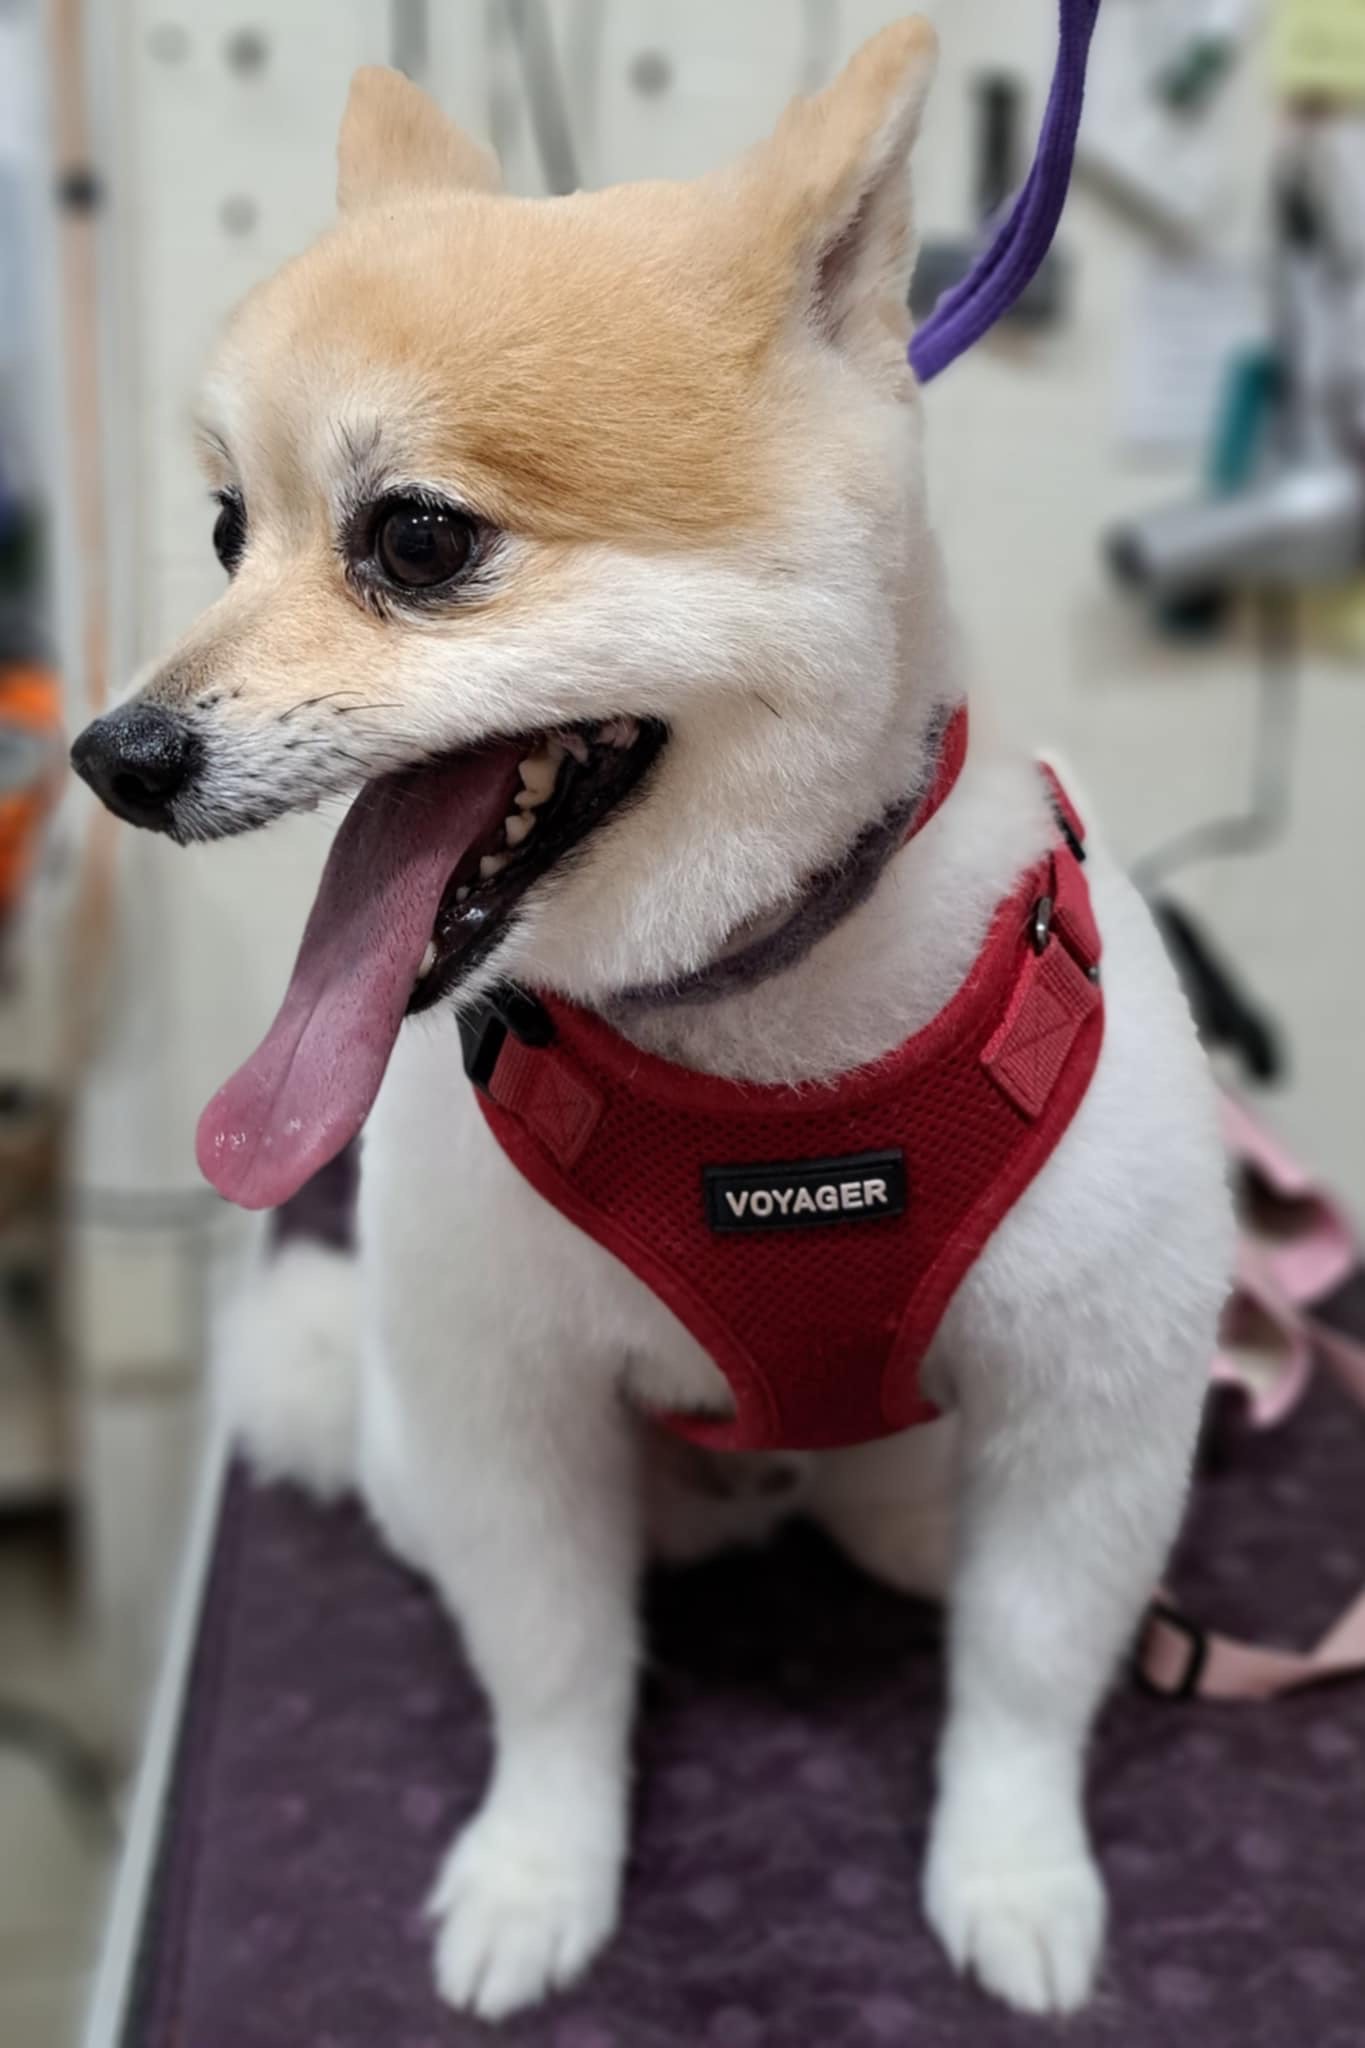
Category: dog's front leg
[1068,1506]
[528,1511]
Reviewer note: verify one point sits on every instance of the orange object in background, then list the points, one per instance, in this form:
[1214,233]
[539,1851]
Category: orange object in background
[31,769]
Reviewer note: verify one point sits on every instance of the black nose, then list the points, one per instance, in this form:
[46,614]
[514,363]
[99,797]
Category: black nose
[138,760]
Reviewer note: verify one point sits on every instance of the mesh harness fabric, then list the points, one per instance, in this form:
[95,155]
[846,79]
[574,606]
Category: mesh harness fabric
[810,1238]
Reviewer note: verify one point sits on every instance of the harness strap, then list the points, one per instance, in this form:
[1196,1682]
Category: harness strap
[820,1341]
[952,754]
[1054,993]
[1177,1659]
[827,897]
[1052,999]
[507,1008]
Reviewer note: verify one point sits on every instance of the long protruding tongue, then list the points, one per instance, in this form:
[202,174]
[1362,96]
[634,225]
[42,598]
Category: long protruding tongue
[307,1089]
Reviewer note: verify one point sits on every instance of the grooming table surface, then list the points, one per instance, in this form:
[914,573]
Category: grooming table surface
[331,1741]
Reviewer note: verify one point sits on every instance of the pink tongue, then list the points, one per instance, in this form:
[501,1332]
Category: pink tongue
[307,1089]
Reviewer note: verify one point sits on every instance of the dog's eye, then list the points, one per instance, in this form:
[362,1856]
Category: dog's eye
[229,530]
[419,546]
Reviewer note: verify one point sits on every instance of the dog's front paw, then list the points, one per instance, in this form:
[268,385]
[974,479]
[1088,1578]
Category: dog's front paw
[1031,1933]
[519,1916]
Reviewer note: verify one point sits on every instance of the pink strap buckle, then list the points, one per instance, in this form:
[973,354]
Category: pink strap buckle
[1171,1653]
[1177,1660]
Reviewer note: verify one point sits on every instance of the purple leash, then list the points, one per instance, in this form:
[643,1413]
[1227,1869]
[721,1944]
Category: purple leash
[1003,270]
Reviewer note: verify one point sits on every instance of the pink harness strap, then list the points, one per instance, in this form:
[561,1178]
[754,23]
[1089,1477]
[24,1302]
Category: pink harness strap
[1176,1657]
[1321,1251]
[1180,1660]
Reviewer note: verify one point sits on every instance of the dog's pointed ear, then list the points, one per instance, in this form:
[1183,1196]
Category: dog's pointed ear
[393,138]
[837,178]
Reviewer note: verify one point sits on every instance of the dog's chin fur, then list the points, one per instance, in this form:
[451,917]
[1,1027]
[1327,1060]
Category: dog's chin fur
[687,413]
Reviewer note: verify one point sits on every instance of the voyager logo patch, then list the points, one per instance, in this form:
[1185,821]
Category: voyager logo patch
[806,1194]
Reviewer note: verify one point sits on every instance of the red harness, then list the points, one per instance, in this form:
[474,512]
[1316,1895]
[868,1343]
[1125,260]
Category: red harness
[811,1237]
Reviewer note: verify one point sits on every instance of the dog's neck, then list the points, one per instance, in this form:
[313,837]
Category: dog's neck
[891,964]
[771,944]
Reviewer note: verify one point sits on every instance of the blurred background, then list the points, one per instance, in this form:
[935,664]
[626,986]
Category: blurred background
[1149,486]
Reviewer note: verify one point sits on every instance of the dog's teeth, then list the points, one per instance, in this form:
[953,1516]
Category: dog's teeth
[428,960]
[462,894]
[618,732]
[526,800]
[538,777]
[575,744]
[492,864]
[516,829]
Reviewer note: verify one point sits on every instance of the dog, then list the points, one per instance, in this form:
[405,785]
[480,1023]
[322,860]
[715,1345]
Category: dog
[628,486]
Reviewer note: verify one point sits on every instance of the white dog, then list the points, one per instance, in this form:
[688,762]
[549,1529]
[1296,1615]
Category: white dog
[589,536]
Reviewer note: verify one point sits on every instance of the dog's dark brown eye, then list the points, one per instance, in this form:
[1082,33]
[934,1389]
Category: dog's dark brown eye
[229,530]
[419,546]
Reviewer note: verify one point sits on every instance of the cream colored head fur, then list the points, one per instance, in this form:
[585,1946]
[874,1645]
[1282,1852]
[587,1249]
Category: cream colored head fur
[687,411]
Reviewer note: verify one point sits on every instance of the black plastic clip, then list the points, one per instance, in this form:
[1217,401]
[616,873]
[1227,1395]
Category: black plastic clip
[485,1025]
[1197,1644]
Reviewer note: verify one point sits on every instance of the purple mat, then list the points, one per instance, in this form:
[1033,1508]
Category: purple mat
[334,1739]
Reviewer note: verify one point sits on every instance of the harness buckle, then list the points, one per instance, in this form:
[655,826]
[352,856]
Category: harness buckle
[1197,1650]
[485,1024]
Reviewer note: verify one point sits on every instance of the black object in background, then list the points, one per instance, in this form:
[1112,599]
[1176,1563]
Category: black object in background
[1227,1017]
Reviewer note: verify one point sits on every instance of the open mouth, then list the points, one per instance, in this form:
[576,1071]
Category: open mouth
[422,880]
[565,783]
